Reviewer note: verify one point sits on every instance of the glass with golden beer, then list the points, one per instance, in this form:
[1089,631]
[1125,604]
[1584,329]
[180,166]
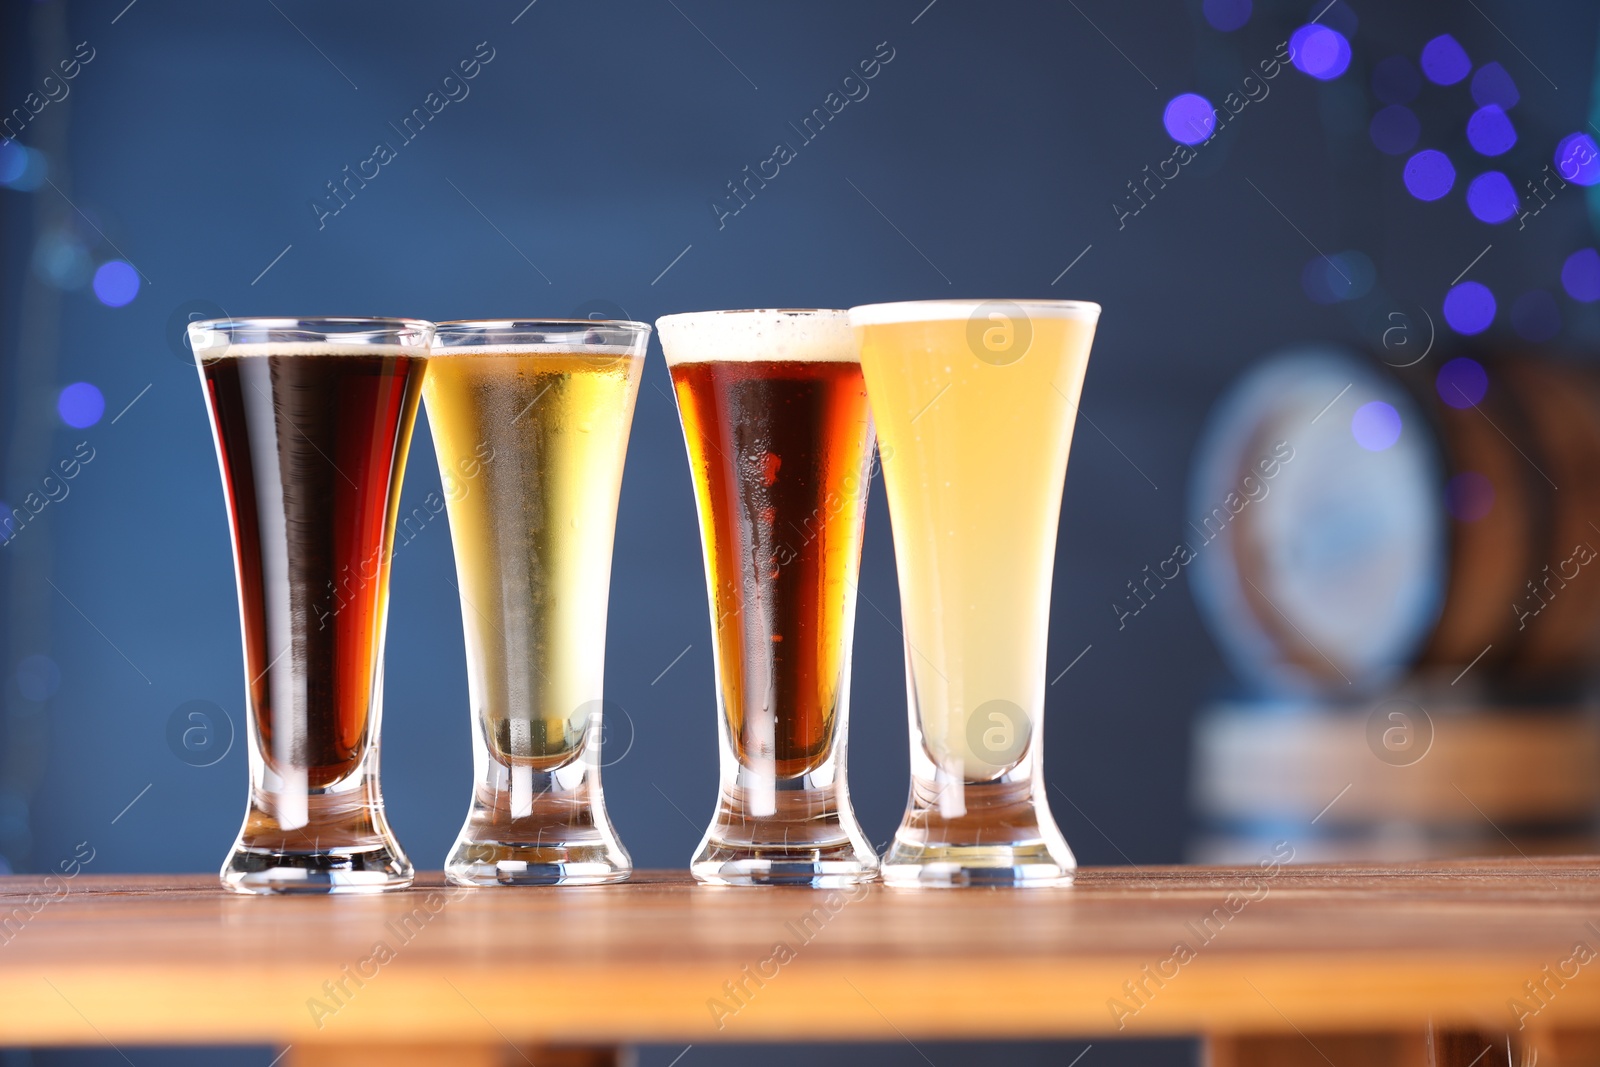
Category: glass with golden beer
[780,440]
[312,420]
[530,421]
[975,402]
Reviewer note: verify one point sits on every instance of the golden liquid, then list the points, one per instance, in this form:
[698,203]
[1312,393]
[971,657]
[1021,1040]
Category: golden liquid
[975,455]
[531,447]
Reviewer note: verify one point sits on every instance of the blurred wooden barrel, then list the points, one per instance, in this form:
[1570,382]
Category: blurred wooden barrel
[1349,525]
[1407,776]
[1536,437]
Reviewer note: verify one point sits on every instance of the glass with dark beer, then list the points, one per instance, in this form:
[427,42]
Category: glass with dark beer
[530,421]
[312,420]
[780,440]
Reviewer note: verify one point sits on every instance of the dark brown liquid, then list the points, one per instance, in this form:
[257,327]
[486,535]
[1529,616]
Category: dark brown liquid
[313,449]
[780,454]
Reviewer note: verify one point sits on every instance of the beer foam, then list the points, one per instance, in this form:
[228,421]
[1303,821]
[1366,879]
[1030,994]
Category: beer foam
[304,348]
[766,335]
[945,310]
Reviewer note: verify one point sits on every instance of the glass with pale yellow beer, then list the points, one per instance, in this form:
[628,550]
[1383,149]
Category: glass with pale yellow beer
[975,403]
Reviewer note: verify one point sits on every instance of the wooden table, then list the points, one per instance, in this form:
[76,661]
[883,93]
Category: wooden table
[1292,965]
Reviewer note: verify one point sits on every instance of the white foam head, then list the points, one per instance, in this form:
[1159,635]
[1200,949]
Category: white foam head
[944,310]
[768,335]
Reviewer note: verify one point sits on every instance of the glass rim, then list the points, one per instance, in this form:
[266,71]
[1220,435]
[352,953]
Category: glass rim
[901,311]
[608,338]
[457,327]
[289,337]
[313,324]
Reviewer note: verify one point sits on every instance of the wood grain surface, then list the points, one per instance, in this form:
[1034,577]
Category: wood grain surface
[1270,951]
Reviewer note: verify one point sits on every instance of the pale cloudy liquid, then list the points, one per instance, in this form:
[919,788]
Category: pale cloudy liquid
[974,458]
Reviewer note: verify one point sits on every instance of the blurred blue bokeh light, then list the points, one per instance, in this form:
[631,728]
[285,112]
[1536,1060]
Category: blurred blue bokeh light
[1580,275]
[1469,308]
[1490,197]
[1444,61]
[1375,426]
[1226,15]
[1578,159]
[1490,130]
[1429,174]
[1189,118]
[116,283]
[1493,85]
[1319,51]
[1461,382]
[1394,130]
[80,405]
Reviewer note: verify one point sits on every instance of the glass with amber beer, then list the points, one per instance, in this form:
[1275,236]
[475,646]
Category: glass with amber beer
[780,441]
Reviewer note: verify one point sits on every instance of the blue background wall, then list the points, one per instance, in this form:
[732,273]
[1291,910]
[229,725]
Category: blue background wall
[593,145]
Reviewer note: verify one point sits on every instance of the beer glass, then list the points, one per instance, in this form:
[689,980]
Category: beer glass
[975,401]
[312,420]
[530,421]
[780,438]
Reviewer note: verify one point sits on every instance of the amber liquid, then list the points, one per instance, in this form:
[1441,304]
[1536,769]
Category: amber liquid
[780,453]
[313,450]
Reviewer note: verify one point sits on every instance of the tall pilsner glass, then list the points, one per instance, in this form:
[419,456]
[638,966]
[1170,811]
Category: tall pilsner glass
[975,402]
[312,420]
[530,420]
[780,439]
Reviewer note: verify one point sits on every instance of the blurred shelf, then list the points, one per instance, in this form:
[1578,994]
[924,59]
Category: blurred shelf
[1375,949]
[1421,774]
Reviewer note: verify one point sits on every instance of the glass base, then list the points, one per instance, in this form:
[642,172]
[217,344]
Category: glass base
[985,834]
[334,870]
[819,869]
[492,863]
[953,868]
[809,838]
[338,842]
[550,829]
